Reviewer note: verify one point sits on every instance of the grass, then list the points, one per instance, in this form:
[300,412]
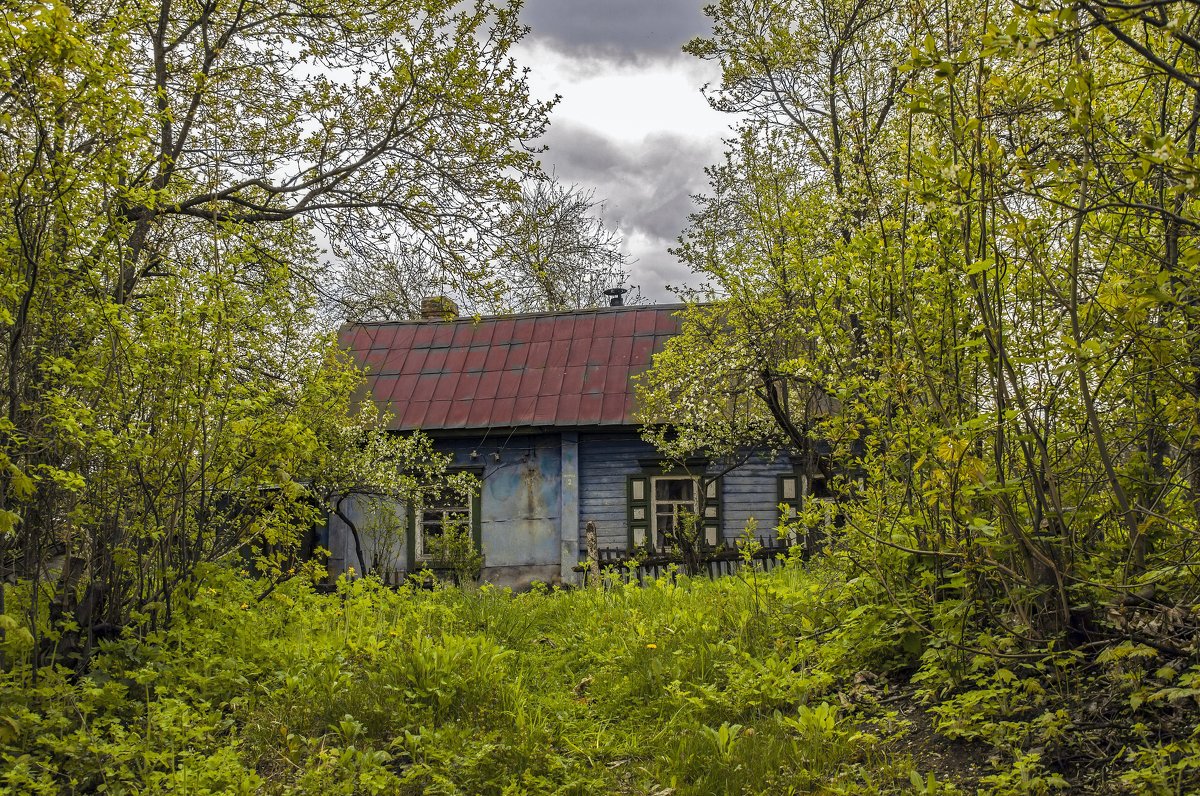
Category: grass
[780,683]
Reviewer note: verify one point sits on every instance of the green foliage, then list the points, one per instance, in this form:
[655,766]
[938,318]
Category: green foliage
[456,549]
[695,685]
[372,690]
[170,393]
[950,254]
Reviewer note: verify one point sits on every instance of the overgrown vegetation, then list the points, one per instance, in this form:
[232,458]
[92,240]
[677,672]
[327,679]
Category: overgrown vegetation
[949,262]
[789,682]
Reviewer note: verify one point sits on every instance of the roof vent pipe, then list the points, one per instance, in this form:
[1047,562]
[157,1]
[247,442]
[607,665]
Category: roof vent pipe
[616,293]
[438,308]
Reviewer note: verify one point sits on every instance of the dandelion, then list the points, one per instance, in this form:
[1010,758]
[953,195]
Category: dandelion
[245,606]
[651,646]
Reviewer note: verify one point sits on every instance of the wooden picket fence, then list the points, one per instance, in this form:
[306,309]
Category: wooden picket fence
[618,565]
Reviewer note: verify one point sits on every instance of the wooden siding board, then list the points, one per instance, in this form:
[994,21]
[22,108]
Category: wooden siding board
[569,508]
[388,549]
[523,518]
[750,491]
[604,463]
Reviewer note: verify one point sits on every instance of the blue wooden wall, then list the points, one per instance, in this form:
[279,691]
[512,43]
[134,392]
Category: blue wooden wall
[751,491]
[540,490]
[606,460]
[604,463]
[381,526]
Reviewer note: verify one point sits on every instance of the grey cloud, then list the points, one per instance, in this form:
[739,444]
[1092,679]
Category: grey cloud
[646,189]
[624,30]
[655,271]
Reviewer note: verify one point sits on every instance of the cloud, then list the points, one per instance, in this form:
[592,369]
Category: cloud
[632,123]
[646,188]
[619,30]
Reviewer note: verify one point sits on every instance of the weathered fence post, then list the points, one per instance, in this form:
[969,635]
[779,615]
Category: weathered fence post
[593,552]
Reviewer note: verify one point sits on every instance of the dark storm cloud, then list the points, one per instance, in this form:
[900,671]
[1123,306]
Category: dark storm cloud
[646,189]
[625,30]
[645,183]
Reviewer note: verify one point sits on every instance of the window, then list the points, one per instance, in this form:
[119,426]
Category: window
[429,521]
[796,488]
[658,503]
[673,497]
[436,518]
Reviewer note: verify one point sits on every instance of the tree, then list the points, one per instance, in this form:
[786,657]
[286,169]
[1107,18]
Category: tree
[390,472]
[992,284]
[557,254]
[554,254]
[169,171]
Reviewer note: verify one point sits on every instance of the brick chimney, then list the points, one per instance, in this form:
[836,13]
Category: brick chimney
[438,308]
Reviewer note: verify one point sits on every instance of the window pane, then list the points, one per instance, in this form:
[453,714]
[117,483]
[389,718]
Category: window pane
[436,516]
[673,489]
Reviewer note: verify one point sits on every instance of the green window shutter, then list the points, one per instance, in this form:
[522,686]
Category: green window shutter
[790,494]
[637,505]
[713,519]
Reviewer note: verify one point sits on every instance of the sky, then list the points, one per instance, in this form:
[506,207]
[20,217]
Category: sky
[632,124]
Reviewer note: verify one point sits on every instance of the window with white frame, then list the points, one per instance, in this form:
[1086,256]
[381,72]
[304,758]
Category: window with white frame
[659,503]
[672,498]
[435,518]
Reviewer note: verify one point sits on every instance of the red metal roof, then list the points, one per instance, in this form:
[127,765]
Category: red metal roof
[544,369]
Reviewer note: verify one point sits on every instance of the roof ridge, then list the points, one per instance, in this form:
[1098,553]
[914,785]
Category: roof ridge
[516,315]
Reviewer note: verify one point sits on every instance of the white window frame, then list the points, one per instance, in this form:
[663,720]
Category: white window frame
[653,503]
[421,554]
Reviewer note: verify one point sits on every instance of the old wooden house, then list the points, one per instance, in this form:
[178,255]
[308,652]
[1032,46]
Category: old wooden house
[541,408]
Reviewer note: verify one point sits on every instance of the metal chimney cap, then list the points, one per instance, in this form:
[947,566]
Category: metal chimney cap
[616,293]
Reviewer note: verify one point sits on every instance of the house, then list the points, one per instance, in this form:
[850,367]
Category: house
[541,408]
